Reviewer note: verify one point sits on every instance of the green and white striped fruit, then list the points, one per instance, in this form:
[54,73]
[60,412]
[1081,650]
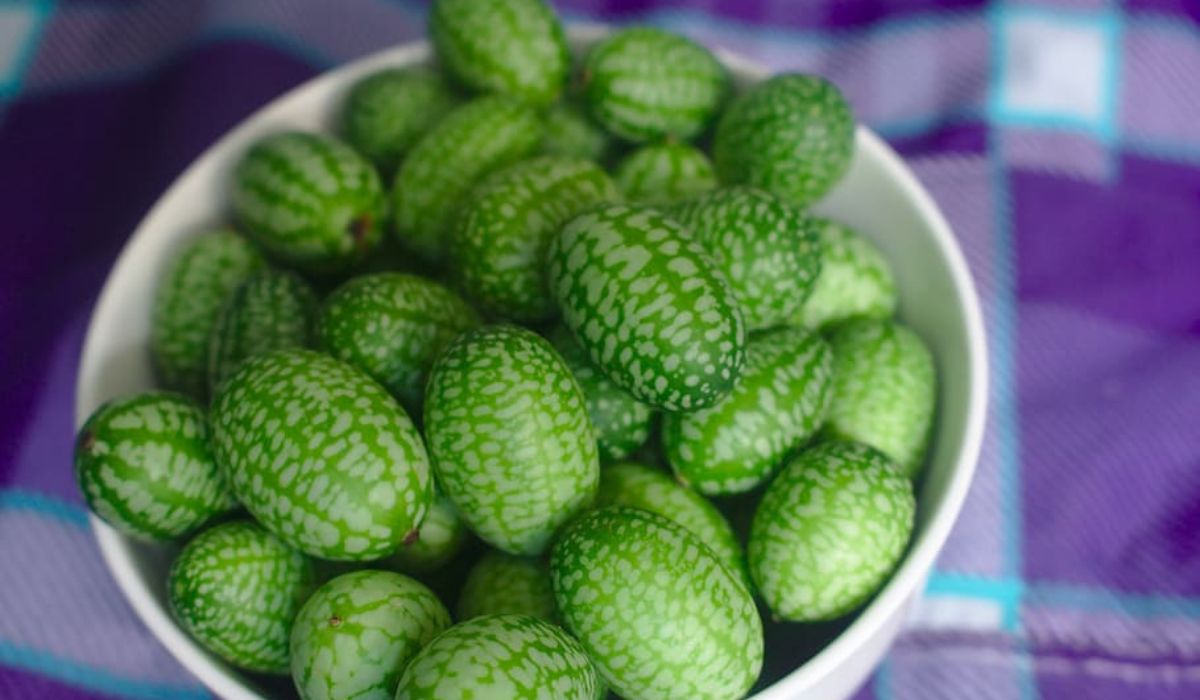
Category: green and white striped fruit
[501,656]
[780,401]
[648,304]
[143,465]
[766,248]
[386,112]
[499,243]
[236,588]
[792,135]
[510,47]
[441,536]
[621,422]
[355,635]
[321,455]
[644,83]
[855,280]
[829,530]
[570,133]
[309,200]
[484,134]
[189,299]
[501,584]
[664,174]
[272,310]
[508,431]
[884,390]
[657,612]
[639,486]
[392,325]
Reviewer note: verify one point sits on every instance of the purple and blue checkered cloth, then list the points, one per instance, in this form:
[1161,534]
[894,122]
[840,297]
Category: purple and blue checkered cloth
[1060,137]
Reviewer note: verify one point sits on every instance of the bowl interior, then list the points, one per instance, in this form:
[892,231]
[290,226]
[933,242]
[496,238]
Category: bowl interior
[878,197]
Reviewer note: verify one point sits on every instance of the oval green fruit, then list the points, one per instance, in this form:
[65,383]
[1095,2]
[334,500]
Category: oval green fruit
[501,656]
[502,584]
[187,302]
[767,249]
[310,200]
[855,280]
[664,174]
[644,83]
[499,244]
[237,588]
[392,325]
[570,133]
[321,455]
[792,135]
[484,134]
[355,635]
[884,390]
[829,530]
[657,612]
[143,465]
[508,431]
[649,306]
[441,536]
[388,111]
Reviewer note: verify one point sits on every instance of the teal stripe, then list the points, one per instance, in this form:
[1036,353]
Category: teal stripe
[1146,606]
[100,680]
[53,508]
[42,10]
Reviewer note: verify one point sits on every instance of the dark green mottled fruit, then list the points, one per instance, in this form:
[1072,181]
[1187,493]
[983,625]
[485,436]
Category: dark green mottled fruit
[321,455]
[621,422]
[829,530]
[484,134]
[572,134]
[272,310]
[386,112]
[310,200]
[501,584]
[648,304]
[501,656]
[767,249]
[508,431]
[355,635]
[441,536]
[855,280]
[236,589]
[657,612]
[511,47]
[187,302]
[664,174]
[792,135]
[392,325]
[498,246]
[643,83]
[884,390]
[143,465]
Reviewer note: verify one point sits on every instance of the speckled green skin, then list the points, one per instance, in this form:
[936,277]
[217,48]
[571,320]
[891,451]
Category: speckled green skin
[186,304]
[321,455]
[386,112]
[310,200]
[792,135]
[829,530]
[392,325]
[643,83]
[657,612]
[638,486]
[855,280]
[272,310]
[501,656]
[780,401]
[501,584]
[441,536]
[143,465]
[511,47]
[621,422]
[236,589]
[767,249]
[484,134]
[648,304]
[508,431]
[884,390]
[572,134]
[498,246]
[355,635]
[664,174]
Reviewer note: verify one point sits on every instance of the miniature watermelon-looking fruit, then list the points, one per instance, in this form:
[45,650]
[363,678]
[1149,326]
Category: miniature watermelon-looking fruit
[664,174]
[501,584]
[570,133]
[441,536]
[855,280]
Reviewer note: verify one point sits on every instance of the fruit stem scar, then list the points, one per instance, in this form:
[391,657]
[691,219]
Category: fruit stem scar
[335,621]
[87,441]
[357,228]
[412,536]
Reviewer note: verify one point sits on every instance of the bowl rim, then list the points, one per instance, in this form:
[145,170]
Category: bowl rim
[904,582]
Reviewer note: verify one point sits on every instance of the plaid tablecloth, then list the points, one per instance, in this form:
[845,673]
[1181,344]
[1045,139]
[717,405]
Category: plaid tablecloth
[1061,138]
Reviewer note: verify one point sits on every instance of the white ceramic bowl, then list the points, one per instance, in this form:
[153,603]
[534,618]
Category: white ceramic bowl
[879,197]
